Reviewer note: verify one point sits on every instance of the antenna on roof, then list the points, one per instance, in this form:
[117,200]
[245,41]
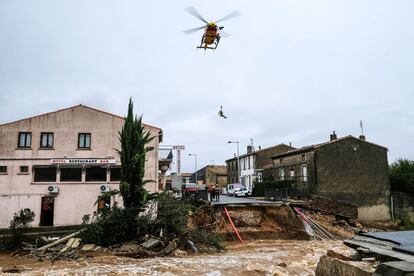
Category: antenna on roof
[362,136]
[251,144]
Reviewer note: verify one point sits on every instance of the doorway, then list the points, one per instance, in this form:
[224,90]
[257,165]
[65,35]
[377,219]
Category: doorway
[47,211]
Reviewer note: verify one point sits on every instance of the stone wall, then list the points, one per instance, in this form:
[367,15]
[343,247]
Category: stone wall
[355,171]
[403,206]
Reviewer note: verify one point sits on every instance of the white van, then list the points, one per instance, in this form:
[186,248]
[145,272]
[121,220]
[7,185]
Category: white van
[232,188]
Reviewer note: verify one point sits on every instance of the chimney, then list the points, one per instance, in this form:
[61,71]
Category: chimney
[362,137]
[260,147]
[249,149]
[333,136]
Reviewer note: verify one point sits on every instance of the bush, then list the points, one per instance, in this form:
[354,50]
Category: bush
[115,226]
[173,216]
[20,220]
[402,176]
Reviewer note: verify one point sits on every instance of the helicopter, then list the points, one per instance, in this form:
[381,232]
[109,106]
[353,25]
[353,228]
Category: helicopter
[212,32]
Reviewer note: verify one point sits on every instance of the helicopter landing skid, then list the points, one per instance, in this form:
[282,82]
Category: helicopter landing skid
[206,47]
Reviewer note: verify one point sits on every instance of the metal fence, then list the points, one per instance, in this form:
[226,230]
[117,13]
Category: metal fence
[285,194]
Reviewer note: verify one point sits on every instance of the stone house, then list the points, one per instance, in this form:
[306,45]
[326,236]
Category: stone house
[252,164]
[58,163]
[211,174]
[347,169]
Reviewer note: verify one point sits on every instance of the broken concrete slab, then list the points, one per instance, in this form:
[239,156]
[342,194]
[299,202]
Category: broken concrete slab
[70,242]
[328,266]
[76,243]
[88,247]
[170,248]
[396,268]
[64,249]
[151,243]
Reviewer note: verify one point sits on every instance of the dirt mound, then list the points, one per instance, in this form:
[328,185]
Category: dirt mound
[251,221]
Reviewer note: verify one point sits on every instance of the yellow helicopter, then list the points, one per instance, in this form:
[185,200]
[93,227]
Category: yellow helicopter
[212,32]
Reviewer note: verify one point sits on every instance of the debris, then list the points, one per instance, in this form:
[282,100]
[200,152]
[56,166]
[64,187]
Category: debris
[339,256]
[179,253]
[12,269]
[363,250]
[395,268]
[151,243]
[192,246]
[43,238]
[328,266]
[59,241]
[88,247]
[369,259]
[170,248]
[97,248]
[64,249]
[74,242]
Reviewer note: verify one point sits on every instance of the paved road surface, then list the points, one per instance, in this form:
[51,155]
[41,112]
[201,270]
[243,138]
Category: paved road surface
[227,200]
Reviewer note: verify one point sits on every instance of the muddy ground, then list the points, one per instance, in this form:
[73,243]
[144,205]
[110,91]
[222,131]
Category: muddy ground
[259,257]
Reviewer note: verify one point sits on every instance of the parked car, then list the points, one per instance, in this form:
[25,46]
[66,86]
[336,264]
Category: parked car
[188,189]
[243,192]
[232,188]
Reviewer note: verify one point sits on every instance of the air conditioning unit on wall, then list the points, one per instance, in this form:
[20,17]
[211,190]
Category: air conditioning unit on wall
[104,188]
[53,189]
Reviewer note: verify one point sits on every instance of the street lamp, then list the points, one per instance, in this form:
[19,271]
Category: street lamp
[195,162]
[238,161]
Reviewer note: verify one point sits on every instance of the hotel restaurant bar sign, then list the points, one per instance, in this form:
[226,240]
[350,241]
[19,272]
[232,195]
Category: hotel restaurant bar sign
[82,161]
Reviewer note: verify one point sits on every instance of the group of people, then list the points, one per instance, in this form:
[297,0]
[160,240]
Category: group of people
[214,192]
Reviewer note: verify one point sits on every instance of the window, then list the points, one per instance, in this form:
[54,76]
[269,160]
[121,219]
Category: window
[3,169]
[292,173]
[84,141]
[24,169]
[281,161]
[25,140]
[70,174]
[282,174]
[305,173]
[95,174]
[44,174]
[46,140]
[116,174]
[303,157]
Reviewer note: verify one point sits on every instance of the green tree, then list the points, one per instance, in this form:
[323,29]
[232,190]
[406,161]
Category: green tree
[134,146]
[402,176]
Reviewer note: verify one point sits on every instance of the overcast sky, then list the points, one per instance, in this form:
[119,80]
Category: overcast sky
[292,71]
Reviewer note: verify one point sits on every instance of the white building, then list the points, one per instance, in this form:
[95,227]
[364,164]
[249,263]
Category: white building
[58,163]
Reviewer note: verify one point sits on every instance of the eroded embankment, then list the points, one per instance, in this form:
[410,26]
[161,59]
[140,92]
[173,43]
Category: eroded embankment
[252,222]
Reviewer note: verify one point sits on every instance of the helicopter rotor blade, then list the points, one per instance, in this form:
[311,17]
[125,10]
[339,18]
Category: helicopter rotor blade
[224,34]
[190,31]
[229,16]
[195,13]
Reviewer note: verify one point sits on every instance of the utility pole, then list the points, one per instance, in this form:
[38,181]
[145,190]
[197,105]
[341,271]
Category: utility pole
[195,163]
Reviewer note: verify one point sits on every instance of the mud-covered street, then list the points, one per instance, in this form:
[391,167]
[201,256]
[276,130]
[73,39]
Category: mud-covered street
[260,257]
